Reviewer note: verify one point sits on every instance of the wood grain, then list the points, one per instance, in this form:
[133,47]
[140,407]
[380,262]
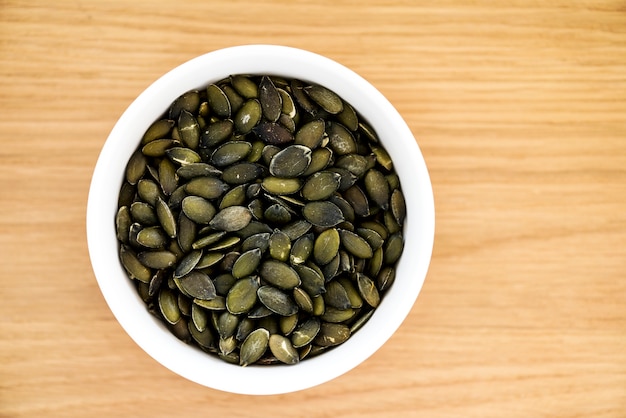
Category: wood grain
[519,108]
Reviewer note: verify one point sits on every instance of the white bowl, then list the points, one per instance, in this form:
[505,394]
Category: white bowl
[121,295]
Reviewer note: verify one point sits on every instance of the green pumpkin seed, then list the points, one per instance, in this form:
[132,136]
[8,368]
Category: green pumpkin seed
[188,129]
[241,173]
[311,280]
[282,349]
[372,237]
[242,296]
[272,133]
[331,269]
[301,249]
[356,301]
[348,117]
[209,259]
[277,214]
[320,159]
[319,306]
[123,221]
[288,105]
[230,152]
[203,337]
[291,161]
[357,199]
[181,330]
[186,232]
[183,156]
[331,334]
[336,296]
[297,229]
[260,241]
[390,222]
[376,262]
[355,244]
[323,214]
[148,191]
[393,248]
[245,327]
[133,266]
[218,101]
[259,312]
[288,323]
[279,246]
[392,179]
[281,186]
[383,157]
[218,303]
[253,227]
[368,132]
[340,139]
[224,244]
[244,86]
[347,178]
[217,132]
[235,100]
[270,99]
[321,185]
[207,240]
[198,286]
[360,321]
[159,129]
[368,290]
[279,274]
[227,324]
[306,332]
[287,122]
[157,259]
[227,346]
[188,263]
[327,99]
[354,163]
[152,237]
[136,167]
[398,207]
[303,300]
[189,101]
[166,217]
[335,315]
[257,151]
[158,147]
[247,263]
[127,195]
[311,134]
[234,197]
[268,153]
[248,116]
[168,179]
[326,246]
[233,218]
[190,171]
[385,278]
[254,346]
[303,100]
[198,209]
[276,301]
[377,188]
[168,306]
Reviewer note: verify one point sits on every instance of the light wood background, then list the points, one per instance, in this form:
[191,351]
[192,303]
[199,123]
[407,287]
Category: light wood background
[519,108]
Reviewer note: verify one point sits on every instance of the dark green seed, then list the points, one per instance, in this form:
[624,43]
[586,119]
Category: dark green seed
[242,296]
[183,156]
[207,187]
[377,188]
[233,218]
[327,99]
[270,99]
[341,140]
[282,349]
[247,263]
[189,101]
[326,246]
[230,152]
[188,263]
[291,161]
[321,185]
[136,167]
[166,217]
[188,129]
[159,129]
[272,133]
[398,207]
[218,101]
[248,116]
[336,296]
[355,244]
[331,334]
[311,281]
[168,306]
[133,266]
[241,173]
[157,259]
[216,133]
[393,248]
[311,134]
[198,286]
[244,86]
[168,179]
[158,147]
[276,301]
[323,214]
[368,290]
[279,246]
[305,333]
[254,346]
[152,237]
[198,209]
[190,171]
[301,249]
[279,274]
[123,221]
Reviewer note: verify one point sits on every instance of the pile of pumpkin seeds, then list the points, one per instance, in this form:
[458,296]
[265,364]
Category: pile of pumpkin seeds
[261,219]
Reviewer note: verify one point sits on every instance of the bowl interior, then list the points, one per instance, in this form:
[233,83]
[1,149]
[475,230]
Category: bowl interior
[121,295]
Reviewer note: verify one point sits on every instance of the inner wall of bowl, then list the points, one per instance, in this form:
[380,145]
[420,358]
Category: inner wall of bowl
[148,332]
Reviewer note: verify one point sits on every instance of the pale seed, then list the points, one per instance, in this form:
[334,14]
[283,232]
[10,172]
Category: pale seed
[254,346]
[276,301]
[233,218]
[282,349]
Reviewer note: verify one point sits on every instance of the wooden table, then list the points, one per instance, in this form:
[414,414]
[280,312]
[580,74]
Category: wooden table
[519,108]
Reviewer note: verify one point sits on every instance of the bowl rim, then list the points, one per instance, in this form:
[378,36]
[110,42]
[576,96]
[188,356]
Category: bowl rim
[149,333]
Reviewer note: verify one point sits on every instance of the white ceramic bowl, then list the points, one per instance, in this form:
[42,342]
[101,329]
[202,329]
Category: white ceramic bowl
[121,295]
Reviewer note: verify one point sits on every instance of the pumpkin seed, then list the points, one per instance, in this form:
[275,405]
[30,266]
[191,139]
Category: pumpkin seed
[393,248]
[327,99]
[152,237]
[217,132]
[186,232]
[311,281]
[368,132]
[321,185]
[398,207]
[348,117]
[159,129]
[272,133]
[188,129]
[230,152]
[259,312]
[245,327]
[127,194]
[296,229]
[277,214]
[326,246]
[136,167]
[218,101]
[288,107]
[242,296]
[234,197]
[377,188]
[311,134]
[246,263]
[227,345]
[224,244]
[207,240]
[353,294]
[336,296]
[320,159]
[281,186]
[355,244]
[303,300]
[288,323]
[306,332]
[282,349]
[198,209]
[148,191]
[227,324]
[232,218]
[297,89]
[158,147]
[188,263]
[340,139]
[157,259]
[354,163]
[234,98]
[323,214]
[319,306]
[372,237]
[190,171]
[368,290]
[301,249]
[248,116]
[241,173]
[382,157]
[276,301]
[331,334]
[357,199]
[335,315]
[244,86]
[254,346]
[168,179]
[207,187]
[189,101]
[183,156]
[260,241]
[270,99]
[133,266]
[168,306]
[360,321]
[123,221]
[218,303]
[209,259]
[166,217]
[291,161]
[279,274]
[331,269]
[198,286]
[203,337]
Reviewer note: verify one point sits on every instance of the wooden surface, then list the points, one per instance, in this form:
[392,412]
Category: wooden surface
[519,108]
